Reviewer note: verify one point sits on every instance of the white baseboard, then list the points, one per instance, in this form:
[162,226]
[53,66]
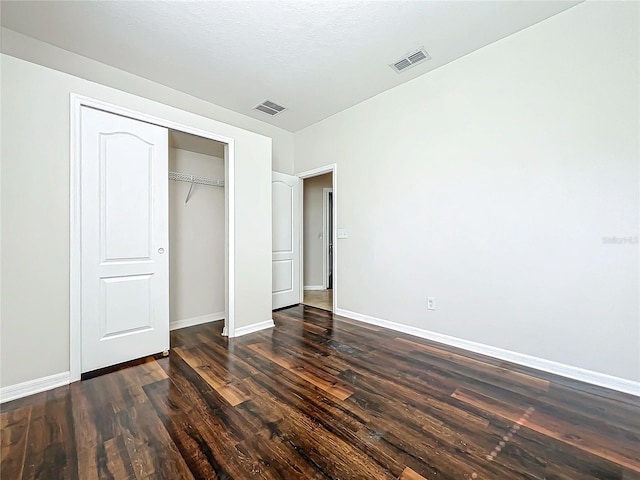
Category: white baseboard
[13,392]
[256,327]
[576,373]
[314,287]
[190,322]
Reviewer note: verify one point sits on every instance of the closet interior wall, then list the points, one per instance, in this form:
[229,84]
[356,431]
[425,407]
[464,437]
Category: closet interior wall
[196,232]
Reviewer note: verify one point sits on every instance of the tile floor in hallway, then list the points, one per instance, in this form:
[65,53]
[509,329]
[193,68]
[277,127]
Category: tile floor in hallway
[319,298]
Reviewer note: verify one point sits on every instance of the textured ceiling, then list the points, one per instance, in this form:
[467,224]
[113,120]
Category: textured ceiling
[315,58]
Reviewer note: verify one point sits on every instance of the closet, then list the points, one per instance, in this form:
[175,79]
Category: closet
[152,236]
[196,230]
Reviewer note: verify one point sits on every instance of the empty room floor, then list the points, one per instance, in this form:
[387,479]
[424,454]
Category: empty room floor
[319,298]
[320,397]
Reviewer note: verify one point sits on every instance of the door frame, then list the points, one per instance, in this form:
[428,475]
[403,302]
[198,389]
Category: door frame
[333,169]
[75,205]
[325,231]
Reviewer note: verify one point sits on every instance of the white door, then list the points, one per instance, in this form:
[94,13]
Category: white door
[124,218]
[285,267]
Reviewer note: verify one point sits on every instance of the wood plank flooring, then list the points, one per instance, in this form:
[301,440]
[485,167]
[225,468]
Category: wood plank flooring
[320,397]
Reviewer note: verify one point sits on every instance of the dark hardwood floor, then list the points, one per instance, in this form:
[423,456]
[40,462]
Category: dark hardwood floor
[320,397]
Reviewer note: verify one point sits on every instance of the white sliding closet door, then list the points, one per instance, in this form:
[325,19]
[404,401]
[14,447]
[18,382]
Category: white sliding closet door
[124,218]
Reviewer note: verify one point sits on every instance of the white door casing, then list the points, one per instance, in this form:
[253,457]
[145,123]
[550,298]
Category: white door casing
[285,267]
[124,239]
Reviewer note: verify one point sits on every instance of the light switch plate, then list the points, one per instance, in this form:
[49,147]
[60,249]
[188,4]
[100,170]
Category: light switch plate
[342,233]
[431,303]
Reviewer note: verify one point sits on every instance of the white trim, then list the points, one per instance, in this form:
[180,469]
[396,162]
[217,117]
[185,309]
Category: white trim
[314,172]
[24,389]
[256,327]
[75,317]
[315,287]
[190,322]
[325,230]
[230,240]
[301,239]
[333,169]
[75,263]
[576,373]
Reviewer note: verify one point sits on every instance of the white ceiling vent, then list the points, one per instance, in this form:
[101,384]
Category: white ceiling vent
[410,60]
[270,108]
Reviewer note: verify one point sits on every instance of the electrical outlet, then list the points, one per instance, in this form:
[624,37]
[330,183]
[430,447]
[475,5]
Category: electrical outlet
[431,303]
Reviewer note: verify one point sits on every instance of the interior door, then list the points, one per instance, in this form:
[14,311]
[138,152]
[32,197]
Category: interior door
[285,267]
[124,240]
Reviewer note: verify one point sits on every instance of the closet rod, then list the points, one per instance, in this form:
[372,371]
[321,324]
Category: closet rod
[185,177]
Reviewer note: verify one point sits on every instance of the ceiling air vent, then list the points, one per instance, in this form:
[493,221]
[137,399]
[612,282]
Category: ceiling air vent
[410,60]
[270,108]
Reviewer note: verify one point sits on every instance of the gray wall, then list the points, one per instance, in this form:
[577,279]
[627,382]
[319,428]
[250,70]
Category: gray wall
[490,184]
[35,193]
[196,239]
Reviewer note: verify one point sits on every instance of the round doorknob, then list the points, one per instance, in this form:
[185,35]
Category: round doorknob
[161,251]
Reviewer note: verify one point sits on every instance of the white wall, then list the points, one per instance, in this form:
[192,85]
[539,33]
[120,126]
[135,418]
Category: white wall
[313,246]
[35,214]
[35,51]
[490,184]
[196,239]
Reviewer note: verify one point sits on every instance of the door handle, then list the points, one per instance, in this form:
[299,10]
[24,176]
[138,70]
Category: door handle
[161,251]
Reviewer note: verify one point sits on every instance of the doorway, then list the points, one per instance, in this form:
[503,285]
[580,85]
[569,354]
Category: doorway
[196,230]
[317,240]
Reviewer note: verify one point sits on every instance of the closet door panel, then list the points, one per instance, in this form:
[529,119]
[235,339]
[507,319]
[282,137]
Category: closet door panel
[126,199]
[124,223]
[125,305]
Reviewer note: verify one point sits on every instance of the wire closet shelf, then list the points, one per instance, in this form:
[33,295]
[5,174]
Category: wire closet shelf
[194,179]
